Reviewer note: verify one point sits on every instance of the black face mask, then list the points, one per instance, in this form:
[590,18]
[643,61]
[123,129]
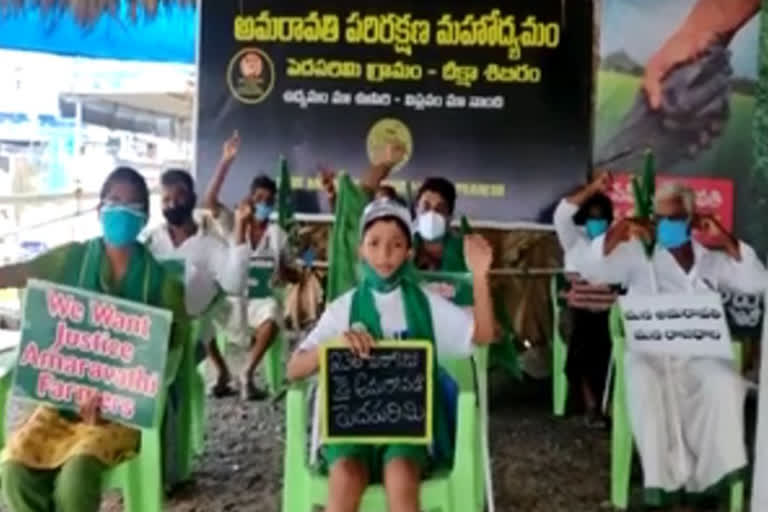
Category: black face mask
[178,214]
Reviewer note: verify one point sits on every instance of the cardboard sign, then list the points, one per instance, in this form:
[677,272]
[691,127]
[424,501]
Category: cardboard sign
[76,343]
[689,325]
[260,279]
[384,399]
[453,286]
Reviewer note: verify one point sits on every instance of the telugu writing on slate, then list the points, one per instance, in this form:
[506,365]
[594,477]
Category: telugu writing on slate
[387,390]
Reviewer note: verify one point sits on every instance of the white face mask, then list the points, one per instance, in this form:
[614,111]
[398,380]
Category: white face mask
[431,226]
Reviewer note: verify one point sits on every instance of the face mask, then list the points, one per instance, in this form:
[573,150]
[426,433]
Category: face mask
[431,226]
[178,214]
[672,233]
[596,227]
[378,283]
[121,225]
[262,211]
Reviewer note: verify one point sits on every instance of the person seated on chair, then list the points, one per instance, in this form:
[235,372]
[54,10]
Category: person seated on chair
[55,460]
[437,247]
[580,218]
[213,264]
[388,303]
[254,320]
[687,414]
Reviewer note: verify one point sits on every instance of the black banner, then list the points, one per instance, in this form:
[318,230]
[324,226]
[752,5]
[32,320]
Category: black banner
[493,95]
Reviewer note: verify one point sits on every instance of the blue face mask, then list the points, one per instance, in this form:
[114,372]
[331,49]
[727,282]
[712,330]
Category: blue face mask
[672,233]
[596,227]
[121,224]
[262,211]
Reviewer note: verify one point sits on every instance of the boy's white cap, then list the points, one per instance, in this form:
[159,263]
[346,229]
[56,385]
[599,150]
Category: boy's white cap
[386,208]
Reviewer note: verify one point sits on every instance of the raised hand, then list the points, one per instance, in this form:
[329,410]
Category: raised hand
[327,179]
[394,152]
[601,183]
[640,229]
[713,235]
[231,148]
[478,253]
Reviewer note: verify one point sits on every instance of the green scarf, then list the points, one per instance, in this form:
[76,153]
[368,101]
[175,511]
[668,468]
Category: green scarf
[86,266]
[418,316]
[453,252]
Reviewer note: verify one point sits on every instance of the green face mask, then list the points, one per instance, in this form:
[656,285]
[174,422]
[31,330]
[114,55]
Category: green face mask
[381,284]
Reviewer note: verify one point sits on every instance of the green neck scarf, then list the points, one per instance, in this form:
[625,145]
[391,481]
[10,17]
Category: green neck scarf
[380,284]
[418,317]
[453,252]
[90,270]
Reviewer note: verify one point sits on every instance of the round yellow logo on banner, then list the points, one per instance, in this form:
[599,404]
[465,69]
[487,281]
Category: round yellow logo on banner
[388,131]
[251,75]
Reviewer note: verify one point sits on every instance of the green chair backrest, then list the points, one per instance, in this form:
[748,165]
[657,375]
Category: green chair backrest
[260,279]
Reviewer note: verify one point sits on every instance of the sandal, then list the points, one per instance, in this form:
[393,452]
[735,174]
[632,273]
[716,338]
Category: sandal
[249,392]
[222,389]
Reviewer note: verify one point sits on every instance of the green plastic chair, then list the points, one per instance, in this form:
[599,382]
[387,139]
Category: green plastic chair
[7,362]
[481,358]
[621,436]
[192,417]
[140,479]
[451,490]
[559,354]
[273,364]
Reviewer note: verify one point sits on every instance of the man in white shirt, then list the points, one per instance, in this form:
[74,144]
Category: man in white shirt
[580,218]
[254,320]
[686,413]
[210,264]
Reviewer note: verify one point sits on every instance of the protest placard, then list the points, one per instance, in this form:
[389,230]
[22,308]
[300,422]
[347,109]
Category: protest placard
[692,325]
[76,343]
[386,398]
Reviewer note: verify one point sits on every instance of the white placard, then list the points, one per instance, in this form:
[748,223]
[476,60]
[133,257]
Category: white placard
[691,325]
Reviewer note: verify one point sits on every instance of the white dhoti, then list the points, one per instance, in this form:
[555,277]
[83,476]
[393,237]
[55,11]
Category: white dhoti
[687,416]
[246,315]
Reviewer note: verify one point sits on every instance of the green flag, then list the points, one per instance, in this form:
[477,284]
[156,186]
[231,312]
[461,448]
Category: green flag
[644,190]
[284,196]
[342,249]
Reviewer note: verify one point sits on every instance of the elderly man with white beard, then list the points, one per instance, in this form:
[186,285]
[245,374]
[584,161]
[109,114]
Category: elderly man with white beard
[686,412]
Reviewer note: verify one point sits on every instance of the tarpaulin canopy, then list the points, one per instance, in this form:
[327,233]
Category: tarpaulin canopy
[112,30]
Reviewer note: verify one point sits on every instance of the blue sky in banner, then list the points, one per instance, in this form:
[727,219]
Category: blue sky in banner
[169,37]
[654,20]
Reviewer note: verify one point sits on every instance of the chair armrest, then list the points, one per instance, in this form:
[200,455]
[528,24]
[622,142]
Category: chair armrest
[172,363]
[462,372]
[296,423]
